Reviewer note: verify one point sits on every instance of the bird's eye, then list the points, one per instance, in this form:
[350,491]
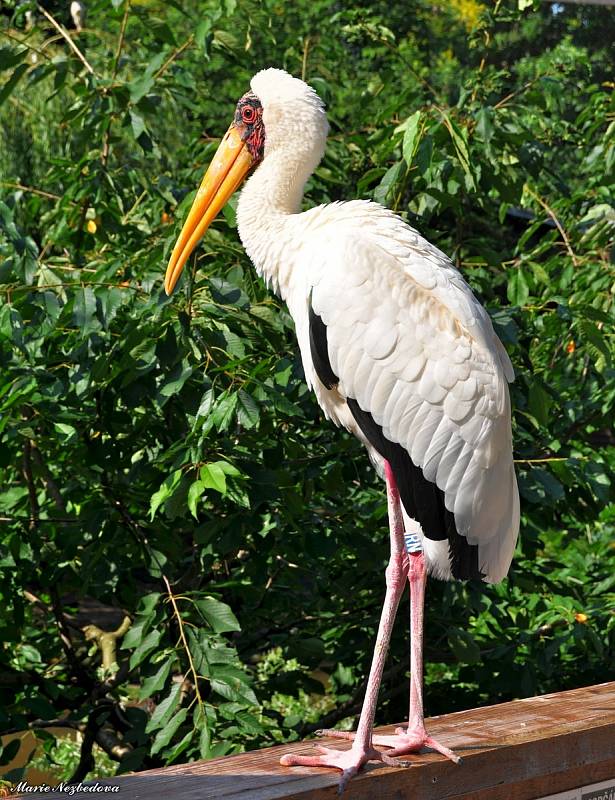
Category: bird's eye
[248,114]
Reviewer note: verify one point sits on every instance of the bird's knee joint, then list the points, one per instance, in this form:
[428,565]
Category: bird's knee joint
[397,569]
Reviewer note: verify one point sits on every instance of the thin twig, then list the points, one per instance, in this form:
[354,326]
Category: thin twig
[120,44]
[177,52]
[306,50]
[27,44]
[9,288]
[66,36]
[501,103]
[136,203]
[29,478]
[30,189]
[409,66]
[105,149]
[558,224]
[195,676]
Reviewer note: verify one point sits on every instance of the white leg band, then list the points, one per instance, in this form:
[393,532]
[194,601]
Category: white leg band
[413,543]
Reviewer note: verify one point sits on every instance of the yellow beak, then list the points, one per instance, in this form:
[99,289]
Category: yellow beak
[226,171]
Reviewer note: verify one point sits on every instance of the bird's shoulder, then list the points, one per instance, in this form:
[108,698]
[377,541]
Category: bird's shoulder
[369,255]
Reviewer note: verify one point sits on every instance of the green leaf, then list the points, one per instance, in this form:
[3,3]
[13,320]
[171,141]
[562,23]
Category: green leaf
[248,413]
[136,633]
[174,754]
[484,124]
[137,123]
[176,380]
[84,309]
[249,722]
[412,137]
[161,31]
[231,683]
[156,682]
[518,290]
[195,492]
[12,82]
[203,30]
[10,57]
[164,710]
[389,182]
[167,488]
[9,751]
[151,642]
[459,139]
[539,403]
[204,741]
[164,736]
[224,411]
[67,432]
[213,476]
[553,488]
[140,86]
[218,615]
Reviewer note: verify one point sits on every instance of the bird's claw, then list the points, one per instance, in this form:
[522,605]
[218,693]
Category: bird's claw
[348,761]
[413,740]
[403,741]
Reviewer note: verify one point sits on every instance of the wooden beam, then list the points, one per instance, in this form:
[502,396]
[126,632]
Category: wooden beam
[522,750]
[582,2]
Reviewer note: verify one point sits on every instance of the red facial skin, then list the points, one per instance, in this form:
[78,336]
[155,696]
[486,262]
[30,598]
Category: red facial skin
[249,120]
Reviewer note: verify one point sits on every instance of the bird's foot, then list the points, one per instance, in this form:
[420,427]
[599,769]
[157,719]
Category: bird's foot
[348,761]
[402,742]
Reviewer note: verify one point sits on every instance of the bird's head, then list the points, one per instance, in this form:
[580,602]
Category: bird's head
[280,116]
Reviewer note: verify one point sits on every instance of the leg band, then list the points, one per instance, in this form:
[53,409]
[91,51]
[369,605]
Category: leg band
[413,543]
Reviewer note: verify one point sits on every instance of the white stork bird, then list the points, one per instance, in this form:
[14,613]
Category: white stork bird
[397,350]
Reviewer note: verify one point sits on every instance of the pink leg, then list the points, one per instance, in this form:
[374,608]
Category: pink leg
[362,750]
[415,736]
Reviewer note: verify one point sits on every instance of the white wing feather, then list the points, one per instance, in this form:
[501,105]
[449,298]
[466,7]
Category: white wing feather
[410,342]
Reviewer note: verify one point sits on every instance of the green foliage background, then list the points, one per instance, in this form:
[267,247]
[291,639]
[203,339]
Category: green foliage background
[162,458]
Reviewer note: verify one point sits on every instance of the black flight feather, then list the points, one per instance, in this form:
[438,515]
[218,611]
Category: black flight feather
[320,351]
[421,498]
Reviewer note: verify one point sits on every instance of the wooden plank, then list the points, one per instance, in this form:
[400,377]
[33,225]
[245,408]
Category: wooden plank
[521,750]
[583,2]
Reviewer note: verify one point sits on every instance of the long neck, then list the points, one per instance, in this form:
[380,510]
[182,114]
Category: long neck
[267,214]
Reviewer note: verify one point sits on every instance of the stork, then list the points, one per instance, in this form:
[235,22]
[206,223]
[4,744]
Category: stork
[397,350]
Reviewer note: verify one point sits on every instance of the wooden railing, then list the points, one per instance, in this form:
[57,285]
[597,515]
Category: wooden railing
[527,749]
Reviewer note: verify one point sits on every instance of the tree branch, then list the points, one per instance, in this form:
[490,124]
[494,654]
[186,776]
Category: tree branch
[177,52]
[50,484]
[558,224]
[107,641]
[67,643]
[66,36]
[29,478]
[30,189]
[86,758]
